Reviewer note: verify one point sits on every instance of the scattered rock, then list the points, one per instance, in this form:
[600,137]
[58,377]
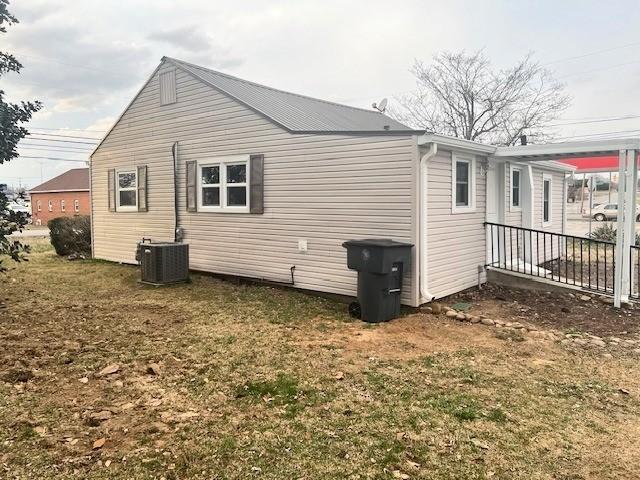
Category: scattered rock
[436,308]
[83,380]
[598,342]
[339,376]
[461,317]
[475,319]
[452,313]
[40,430]
[109,370]
[487,321]
[585,298]
[99,443]
[607,355]
[479,444]
[101,416]
[153,369]
[399,474]
[606,300]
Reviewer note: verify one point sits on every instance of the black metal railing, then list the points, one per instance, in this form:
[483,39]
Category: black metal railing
[580,261]
[634,272]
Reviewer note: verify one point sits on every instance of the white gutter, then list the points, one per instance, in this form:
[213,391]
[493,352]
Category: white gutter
[425,295]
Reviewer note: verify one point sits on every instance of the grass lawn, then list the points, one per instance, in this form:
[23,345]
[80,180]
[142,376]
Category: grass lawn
[258,382]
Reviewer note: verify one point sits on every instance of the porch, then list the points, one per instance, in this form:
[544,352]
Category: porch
[609,268]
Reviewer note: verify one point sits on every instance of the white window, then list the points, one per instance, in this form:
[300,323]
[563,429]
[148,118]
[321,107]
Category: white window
[546,199]
[516,188]
[76,205]
[39,204]
[463,183]
[223,185]
[126,194]
[62,205]
[50,206]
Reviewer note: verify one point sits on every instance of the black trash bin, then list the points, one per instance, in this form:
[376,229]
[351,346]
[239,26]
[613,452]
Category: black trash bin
[380,264]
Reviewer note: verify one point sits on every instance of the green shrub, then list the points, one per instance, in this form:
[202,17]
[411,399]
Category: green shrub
[71,235]
[608,233]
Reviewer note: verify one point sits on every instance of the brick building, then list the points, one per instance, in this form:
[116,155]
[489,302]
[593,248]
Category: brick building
[63,196]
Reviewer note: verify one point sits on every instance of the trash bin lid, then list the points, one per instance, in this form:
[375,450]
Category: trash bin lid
[376,242]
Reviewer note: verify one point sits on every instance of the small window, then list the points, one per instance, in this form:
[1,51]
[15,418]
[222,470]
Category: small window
[62,205]
[39,204]
[223,185]
[516,176]
[76,205]
[546,199]
[126,195]
[463,184]
[50,206]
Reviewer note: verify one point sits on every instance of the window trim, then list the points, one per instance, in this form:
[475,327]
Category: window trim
[50,205]
[547,178]
[126,208]
[471,161]
[512,207]
[223,163]
[76,205]
[63,206]
[39,205]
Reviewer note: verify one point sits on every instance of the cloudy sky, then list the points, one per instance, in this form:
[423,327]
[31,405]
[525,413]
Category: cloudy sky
[85,59]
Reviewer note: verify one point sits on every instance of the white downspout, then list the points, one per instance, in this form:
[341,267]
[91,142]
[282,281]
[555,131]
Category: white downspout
[425,295]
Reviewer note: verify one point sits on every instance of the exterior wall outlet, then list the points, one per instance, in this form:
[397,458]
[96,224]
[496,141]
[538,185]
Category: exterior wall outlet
[302,246]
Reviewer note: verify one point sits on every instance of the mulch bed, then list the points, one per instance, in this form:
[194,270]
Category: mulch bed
[551,310]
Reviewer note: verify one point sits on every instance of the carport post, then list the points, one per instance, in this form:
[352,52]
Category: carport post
[627,182]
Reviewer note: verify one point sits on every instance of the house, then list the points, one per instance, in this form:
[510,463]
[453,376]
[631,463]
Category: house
[63,196]
[257,180]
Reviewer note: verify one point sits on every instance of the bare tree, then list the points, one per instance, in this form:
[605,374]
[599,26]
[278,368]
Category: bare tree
[461,95]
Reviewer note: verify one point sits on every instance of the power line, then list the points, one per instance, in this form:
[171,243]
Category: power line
[590,54]
[54,158]
[65,136]
[30,127]
[74,148]
[61,150]
[32,137]
[601,120]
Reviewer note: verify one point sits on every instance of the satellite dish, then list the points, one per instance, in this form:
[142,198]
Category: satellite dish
[382,106]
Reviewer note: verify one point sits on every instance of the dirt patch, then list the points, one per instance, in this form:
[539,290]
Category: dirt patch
[551,310]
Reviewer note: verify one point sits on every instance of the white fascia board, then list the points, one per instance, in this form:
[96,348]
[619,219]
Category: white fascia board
[597,147]
[545,164]
[453,143]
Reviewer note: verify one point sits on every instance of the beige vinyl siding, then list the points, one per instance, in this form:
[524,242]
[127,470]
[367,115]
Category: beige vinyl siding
[456,243]
[322,188]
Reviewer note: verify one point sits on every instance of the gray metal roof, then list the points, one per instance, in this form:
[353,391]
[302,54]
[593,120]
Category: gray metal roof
[296,113]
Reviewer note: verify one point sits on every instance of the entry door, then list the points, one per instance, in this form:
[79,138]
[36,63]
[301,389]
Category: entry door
[495,209]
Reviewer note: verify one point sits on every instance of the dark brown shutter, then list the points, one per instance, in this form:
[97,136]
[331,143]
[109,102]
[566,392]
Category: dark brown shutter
[192,194]
[111,180]
[256,184]
[142,188]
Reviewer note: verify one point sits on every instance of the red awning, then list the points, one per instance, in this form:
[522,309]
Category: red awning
[593,164]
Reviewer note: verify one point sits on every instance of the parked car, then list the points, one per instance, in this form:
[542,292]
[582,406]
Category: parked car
[608,211]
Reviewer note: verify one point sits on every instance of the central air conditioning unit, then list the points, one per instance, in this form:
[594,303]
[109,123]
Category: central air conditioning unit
[163,262]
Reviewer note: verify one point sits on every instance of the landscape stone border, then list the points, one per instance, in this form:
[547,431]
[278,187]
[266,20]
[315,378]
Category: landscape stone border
[570,340]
